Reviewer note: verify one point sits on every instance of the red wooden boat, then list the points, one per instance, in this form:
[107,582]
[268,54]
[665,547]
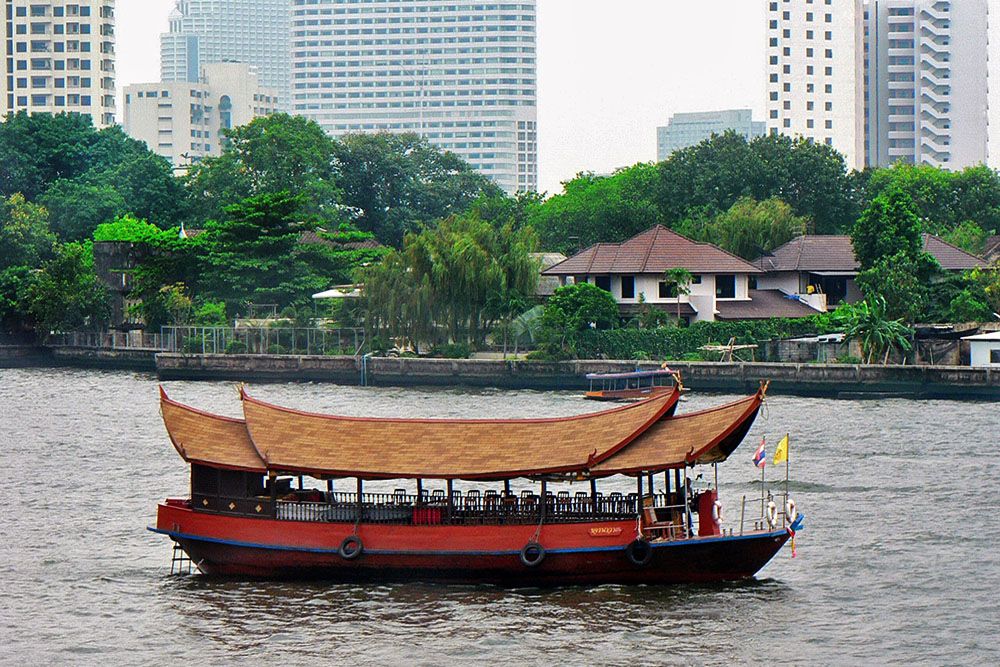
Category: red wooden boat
[243,518]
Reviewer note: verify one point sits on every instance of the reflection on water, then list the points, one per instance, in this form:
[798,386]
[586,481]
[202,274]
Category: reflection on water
[898,551]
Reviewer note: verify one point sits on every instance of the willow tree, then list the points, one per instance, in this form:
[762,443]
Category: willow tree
[452,282]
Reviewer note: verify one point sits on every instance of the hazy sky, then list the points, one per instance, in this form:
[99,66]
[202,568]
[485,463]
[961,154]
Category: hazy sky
[609,71]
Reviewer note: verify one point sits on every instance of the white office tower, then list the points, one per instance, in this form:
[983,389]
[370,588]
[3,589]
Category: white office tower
[255,32]
[459,73]
[816,63]
[183,120]
[60,58]
[928,83]
[687,129]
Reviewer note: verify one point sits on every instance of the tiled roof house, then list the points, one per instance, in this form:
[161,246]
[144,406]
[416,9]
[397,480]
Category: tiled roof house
[720,289]
[821,269]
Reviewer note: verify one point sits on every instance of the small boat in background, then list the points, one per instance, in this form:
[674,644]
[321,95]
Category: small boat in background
[633,385]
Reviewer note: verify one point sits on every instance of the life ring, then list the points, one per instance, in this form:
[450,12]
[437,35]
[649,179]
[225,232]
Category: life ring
[639,552]
[791,513]
[351,547]
[772,514]
[532,554]
[717,515]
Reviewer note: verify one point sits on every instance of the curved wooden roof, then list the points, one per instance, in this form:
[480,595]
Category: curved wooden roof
[201,437]
[709,436]
[293,441]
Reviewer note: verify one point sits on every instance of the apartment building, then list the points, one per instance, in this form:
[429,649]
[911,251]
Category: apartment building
[60,58]
[183,121]
[928,82]
[882,81]
[816,65]
[460,74]
[255,32]
[687,129]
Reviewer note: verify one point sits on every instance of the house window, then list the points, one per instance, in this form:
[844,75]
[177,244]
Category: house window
[628,287]
[695,280]
[668,290]
[995,356]
[604,282]
[725,286]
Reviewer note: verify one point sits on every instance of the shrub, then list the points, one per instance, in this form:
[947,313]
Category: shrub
[277,348]
[453,351]
[236,347]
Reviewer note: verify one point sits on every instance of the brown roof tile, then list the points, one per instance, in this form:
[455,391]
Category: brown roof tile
[763,304]
[992,251]
[295,441]
[836,253]
[653,251]
[200,437]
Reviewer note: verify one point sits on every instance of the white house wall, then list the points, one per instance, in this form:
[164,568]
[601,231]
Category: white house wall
[980,353]
[701,297]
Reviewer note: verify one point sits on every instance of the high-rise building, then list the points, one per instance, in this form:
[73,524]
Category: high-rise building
[461,74]
[882,81]
[255,32]
[688,129]
[60,58]
[816,72]
[928,82]
[183,120]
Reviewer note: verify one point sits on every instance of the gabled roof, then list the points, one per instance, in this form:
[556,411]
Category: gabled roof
[992,251]
[836,253]
[653,251]
[763,304]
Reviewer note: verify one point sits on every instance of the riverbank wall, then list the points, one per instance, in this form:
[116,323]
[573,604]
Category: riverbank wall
[19,356]
[132,359]
[838,380]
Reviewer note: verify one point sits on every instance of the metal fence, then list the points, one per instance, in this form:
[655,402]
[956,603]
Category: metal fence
[107,340]
[262,340]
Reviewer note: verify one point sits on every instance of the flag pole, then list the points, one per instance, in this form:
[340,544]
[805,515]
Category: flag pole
[763,509]
[788,447]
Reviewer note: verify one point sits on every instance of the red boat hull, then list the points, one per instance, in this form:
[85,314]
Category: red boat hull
[576,553]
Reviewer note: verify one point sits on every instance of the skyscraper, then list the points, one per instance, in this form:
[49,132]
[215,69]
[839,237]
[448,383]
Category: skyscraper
[254,32]
[60,58]
[882,81]
[928,83]
[816,73]
[688,129]
[461,74]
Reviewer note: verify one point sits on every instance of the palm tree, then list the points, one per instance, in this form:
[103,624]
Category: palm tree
[680,280]
[867,322]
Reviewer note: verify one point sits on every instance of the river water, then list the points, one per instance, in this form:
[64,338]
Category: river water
[898,561]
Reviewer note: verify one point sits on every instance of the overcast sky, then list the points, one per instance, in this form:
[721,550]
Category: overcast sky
[609,71]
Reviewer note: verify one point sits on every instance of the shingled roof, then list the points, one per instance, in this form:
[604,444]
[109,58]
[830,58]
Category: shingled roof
[836,254]
[992,251]
[653,251]
[763,304]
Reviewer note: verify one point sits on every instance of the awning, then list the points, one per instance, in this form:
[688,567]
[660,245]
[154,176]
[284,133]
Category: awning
[834,274]
[340,292]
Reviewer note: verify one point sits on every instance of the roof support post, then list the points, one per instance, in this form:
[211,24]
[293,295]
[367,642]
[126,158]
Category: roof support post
[360,490]
[420,490]
[545,499]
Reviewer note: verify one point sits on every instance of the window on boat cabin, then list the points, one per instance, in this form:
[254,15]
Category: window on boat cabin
[604,282]
[628,287]
[725,286]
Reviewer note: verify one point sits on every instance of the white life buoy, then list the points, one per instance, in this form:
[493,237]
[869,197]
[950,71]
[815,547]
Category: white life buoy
[717,516]
[791,513]
[772,514]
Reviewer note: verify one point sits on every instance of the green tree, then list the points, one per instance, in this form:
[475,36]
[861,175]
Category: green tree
[900,281]
[749,227]
[888,227]
[679,281]
[594,209]
[67,294]
[77,208]
[393,183]
[570,311]
[708,178]
[269,155]
[39,149]
[968,236]
[252,253]
[870,324]
[25,239]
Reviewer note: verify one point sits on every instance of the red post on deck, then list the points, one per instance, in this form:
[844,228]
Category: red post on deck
[706,524]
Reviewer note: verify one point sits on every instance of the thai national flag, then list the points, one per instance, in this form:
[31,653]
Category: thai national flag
[760,456]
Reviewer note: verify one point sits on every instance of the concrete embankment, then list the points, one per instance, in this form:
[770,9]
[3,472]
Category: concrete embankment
[86,357]
[800,379]
[18,356]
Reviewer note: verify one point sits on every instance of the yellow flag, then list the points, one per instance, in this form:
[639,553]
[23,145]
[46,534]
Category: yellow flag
[781,451]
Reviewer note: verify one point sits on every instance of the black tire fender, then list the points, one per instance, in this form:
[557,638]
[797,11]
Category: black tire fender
[532,554]
[351,547]
[639,552]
